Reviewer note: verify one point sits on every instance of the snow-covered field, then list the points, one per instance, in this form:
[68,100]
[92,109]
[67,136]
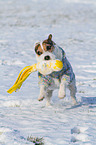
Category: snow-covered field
[73,25]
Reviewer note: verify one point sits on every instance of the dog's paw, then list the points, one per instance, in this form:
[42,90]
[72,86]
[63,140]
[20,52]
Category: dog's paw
[40,98]
[74,101]
[61,97]
[48,103]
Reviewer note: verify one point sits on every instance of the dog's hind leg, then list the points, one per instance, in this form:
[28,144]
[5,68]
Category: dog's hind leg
[73,90]
[48,97]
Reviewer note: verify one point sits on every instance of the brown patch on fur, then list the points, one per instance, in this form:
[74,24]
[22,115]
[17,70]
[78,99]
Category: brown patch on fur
[48,42]
[38,50]
[50,37]
[48,45]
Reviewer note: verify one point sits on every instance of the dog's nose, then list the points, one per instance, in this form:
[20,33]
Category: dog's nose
[47,57]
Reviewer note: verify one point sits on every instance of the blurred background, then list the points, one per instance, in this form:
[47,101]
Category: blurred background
[72,23]
[24,22]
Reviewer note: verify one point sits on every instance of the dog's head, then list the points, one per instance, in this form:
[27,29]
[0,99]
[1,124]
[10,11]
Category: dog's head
[44,49]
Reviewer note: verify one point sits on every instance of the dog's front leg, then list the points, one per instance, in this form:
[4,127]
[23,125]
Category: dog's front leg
[62,89]
[42,94]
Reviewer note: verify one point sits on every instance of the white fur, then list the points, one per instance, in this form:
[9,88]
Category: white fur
[46,91]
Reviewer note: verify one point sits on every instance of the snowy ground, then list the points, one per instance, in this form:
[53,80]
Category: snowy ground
[73,25]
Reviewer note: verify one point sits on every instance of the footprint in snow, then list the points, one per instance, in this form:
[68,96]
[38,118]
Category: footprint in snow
[78,130]
[79,134]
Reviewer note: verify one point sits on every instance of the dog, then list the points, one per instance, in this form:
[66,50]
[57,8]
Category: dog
[49,50]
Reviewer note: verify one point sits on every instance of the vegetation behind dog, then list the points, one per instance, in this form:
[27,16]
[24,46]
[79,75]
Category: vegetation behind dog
[36,140]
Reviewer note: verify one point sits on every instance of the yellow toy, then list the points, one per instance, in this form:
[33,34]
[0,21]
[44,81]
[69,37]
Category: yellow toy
[45,68]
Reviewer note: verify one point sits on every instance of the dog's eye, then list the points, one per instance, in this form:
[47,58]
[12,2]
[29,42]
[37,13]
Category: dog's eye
[39,53]
[48,47]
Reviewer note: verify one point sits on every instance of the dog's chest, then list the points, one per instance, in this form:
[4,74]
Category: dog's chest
[55,84]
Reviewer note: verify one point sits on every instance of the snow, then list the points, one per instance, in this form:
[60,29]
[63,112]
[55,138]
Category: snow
[73,25]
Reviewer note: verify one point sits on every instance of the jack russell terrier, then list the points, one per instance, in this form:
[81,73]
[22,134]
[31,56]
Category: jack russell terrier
[49,50]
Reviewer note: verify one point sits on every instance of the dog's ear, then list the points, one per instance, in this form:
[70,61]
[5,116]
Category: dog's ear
[50,37]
